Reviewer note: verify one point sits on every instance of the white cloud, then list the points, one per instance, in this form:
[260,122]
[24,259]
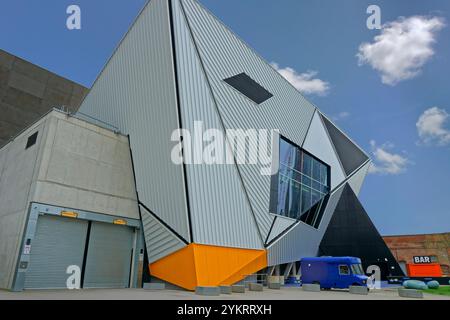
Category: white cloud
[402,48]
[431,127]
[341,116]
[386,162]
[304,82]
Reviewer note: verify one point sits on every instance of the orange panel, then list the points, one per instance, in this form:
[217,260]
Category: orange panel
[177,268]
[206,265]
[424,270]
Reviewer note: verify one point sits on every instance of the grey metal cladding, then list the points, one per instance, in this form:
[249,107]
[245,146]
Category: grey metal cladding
[357,179]
[302,240]
[351,156]
[136,93]
[224,55]
[220,212]
[159,240]
[249,87]
[279,226]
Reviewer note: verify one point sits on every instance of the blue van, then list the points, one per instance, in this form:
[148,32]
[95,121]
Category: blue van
[333,272]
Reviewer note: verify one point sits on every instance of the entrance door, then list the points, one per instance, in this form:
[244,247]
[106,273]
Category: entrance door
[58,243]
[109,256]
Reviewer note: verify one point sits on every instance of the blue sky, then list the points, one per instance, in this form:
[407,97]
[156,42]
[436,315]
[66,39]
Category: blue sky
[410,191]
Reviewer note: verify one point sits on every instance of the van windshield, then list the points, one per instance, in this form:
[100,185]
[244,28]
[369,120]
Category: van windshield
[357,269]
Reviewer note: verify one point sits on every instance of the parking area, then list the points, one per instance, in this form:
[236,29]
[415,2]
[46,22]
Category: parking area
[287,293]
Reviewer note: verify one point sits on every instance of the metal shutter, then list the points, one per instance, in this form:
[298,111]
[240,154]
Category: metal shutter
[108,261]
[58,243]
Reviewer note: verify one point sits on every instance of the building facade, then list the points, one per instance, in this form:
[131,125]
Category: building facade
[406,248]
[179,71]
[68,200]
[222,222]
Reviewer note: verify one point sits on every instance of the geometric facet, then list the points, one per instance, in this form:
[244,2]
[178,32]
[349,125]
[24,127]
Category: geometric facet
[357,179]
[351,156]
[318,143]
[352,233]
[203,265]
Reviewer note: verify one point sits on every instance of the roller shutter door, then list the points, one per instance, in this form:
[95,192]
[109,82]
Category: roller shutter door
[58,243]
[109,256]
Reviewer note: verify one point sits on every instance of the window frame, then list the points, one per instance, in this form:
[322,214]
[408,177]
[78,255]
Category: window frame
[348,270]
[289,173]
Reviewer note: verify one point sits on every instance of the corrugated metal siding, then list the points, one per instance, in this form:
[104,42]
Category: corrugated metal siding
[281,224]
[220,212]
[318,143]
[159,240]
[108,262]
[224,55]
[59,243]
[356,181]
[136,92]
[302,240]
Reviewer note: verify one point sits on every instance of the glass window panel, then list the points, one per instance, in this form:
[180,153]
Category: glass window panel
[316,186]
[316,170]
[306,181]
[315,197]
[287,153]
[298,160]
[307,165]
[306,198]
[324,175]
[294,200]
[283,187]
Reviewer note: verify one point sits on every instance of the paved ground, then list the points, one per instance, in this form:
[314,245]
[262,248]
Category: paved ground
[289,293]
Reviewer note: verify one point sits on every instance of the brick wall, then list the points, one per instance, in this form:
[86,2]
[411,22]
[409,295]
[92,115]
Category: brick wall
[404,248]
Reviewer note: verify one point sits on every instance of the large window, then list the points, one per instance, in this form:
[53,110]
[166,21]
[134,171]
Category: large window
[301,187]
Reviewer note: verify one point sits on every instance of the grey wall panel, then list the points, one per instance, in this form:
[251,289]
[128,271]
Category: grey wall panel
[224,55]
[108,262]
[220,212]
[356,181]
[280,225]
[351,156]
[302,240]
[58,244]
[159,240]
[136,92]
[318,143]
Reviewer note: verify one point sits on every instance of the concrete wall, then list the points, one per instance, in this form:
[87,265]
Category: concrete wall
[18,167]
[73,164]
[28,91]
[87,168]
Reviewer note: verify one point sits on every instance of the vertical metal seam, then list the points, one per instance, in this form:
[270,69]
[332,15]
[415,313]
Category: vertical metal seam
[221,121]
[180,124]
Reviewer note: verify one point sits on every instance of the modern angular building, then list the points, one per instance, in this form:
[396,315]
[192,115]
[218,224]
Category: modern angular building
[208,224]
